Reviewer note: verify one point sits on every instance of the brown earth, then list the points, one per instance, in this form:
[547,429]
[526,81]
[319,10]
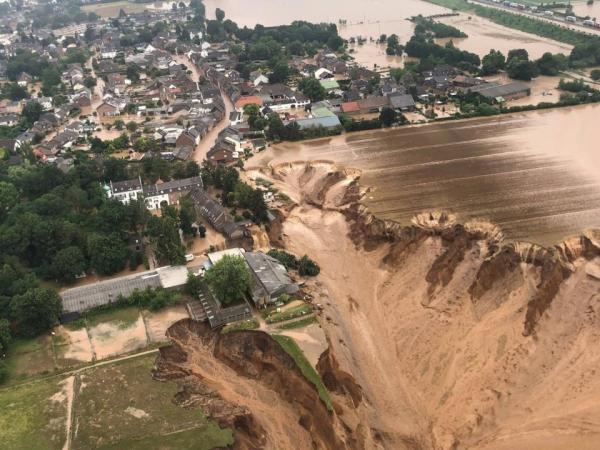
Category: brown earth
[246,381]
[441,335]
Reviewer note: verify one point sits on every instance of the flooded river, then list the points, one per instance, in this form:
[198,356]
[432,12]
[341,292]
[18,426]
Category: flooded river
[370,19]
[536,175]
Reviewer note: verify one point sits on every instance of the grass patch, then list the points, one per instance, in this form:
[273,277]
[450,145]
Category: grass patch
[250,324]
[298,323]
[519,22]
[112,9]
[125,317]
[139,412]
[292,313]
[30,419]
[292,349]
[28,357]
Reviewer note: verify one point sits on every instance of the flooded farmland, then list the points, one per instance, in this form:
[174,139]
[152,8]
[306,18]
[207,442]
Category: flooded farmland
[522,172]
[371,19]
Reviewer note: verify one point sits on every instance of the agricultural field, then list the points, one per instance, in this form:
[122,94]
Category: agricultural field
[33,416]
[97,336]
[113,406]
[138,411]
[112,9]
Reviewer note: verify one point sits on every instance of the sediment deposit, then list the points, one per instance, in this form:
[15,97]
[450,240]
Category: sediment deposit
[441,335]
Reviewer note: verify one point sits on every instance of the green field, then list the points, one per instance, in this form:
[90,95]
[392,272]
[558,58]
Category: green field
[30,419]
[292,349]
[112,9]
[30,357]
[301,323]
[138,411]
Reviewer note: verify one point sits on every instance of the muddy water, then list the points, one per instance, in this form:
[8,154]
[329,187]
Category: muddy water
[537,175]
[370,19]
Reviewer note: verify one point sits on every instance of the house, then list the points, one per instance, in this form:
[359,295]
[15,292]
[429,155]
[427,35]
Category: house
[24,79]
[153,195]
[248,100]
[401,102]
[235,117]
[188,138]
[373,104]
[215,214]
[108,51]
[9,144]
[94,295]
[329,122]
[125,191]
[466,81]
[330,85]
[269,279]
[351,108]
[45,102]
[169,191]
[499,93]
[257,78]
[108,109]
[9,120]
[323,73]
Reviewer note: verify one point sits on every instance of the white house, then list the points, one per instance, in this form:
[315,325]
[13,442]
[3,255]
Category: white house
[257,78]
[323,73]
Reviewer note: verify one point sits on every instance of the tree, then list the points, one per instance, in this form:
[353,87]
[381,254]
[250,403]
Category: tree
[493,62]
[132,126]
[192,285]
[35,311]
[335,43]
[393,45]
[9,197]
[229,279]
[551,65]
[595,74]
[31,112]
[219,14]
[397,74]
[388,116]
[521,69]
[164,237]
[307,267]
[133,73]
[89,82]
[5,337]
[108,254]
[519,53]
[312,89]
[280,73]
[68,263]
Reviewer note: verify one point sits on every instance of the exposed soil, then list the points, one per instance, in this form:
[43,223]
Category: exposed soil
[246,381]
[440,335]
[452,337]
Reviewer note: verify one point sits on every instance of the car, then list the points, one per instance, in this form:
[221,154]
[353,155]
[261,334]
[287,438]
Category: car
[189,257]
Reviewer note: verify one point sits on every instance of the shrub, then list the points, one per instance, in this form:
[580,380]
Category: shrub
[307,267]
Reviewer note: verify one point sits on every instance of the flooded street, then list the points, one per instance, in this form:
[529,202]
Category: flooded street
[536,175]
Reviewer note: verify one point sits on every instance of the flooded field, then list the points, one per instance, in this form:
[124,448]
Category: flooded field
[373,18]
[536,175]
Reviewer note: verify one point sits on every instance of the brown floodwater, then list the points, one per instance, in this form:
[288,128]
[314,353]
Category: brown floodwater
[370,19]
[536,175]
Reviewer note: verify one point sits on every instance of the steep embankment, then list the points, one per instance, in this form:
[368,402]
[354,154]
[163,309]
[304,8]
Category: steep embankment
[453,338]
[247,382]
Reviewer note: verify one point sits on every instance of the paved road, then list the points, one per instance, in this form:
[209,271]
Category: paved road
[559,21]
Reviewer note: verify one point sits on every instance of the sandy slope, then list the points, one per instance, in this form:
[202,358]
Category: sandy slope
[441,369]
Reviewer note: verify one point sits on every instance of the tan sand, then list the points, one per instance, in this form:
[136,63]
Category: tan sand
[158,322]
[311,339]
[112,338]
[441,370]
[78,345]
